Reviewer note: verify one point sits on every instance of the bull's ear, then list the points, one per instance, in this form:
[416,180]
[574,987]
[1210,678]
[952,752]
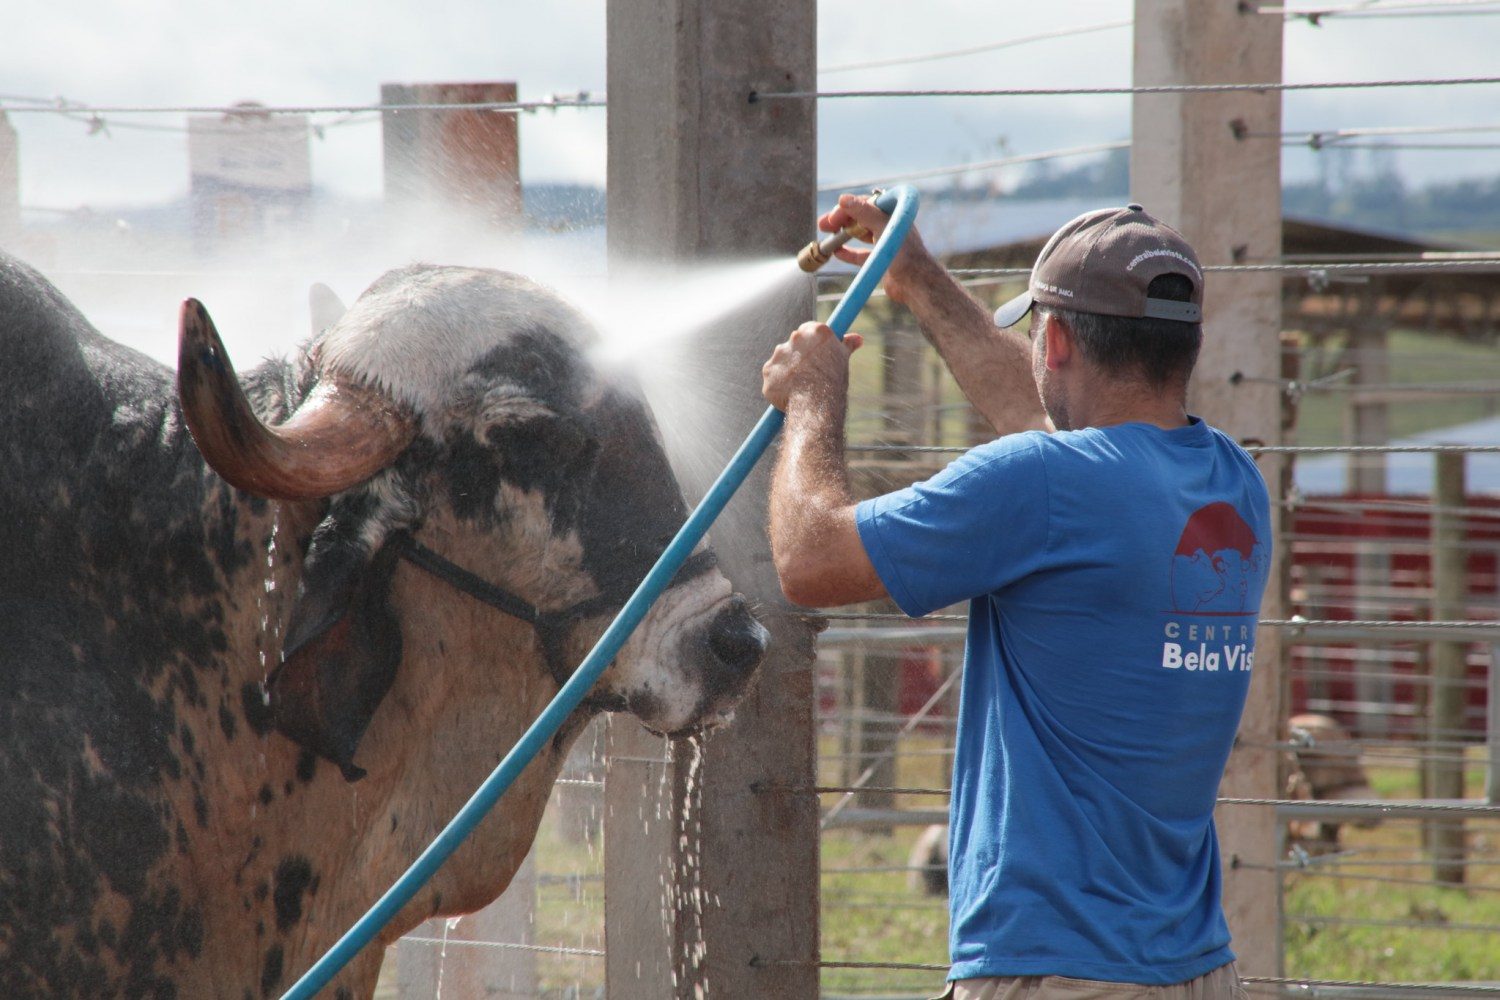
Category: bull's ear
[343,643]
[324,306]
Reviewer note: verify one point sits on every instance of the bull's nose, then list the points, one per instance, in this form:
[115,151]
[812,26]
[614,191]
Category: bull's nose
[736,638]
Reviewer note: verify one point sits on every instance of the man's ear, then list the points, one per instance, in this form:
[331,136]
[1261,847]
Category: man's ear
[1059,342]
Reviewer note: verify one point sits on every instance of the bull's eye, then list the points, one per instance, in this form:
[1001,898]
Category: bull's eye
[553,454]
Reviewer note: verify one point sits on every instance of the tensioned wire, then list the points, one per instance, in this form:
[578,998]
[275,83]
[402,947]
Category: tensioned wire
[1436,988]
[1316,140]
[885,728]
[1292,623]
[256,110]
[1257,449]
[977,276]
[1333,806]
[1370,9]
[756,96]
[1487,263]
[507,945]
[493,106]
[1372,752]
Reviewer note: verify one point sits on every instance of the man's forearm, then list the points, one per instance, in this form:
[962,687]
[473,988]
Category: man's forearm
[992,366]
[820,558]
[811,481]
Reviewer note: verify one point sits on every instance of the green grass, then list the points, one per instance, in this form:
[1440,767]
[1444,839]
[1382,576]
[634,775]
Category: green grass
[1414,358]
[1442,951]
[1390,954]
[876,917]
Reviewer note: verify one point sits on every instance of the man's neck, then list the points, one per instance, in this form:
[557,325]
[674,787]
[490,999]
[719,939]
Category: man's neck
[1133,404]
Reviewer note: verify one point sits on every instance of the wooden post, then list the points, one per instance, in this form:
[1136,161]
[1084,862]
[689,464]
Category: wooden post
[697,174]
[1368,418]
[1445,836]
[901,381]
[878,701]
[1290,360]
[1368,423]
[1492,728]
[850,668]
[1188,168]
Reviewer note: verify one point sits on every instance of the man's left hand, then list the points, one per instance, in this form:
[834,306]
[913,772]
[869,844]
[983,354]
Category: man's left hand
[812,363]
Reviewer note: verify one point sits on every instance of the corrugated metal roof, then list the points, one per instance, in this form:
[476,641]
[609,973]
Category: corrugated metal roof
[1411,474]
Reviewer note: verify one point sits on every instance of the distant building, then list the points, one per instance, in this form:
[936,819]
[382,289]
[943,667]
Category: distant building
[251,176]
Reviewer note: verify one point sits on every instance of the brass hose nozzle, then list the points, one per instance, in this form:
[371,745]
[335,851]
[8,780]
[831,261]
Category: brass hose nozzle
[817,253]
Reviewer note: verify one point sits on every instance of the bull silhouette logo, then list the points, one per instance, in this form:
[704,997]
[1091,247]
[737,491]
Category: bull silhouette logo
[1218,563]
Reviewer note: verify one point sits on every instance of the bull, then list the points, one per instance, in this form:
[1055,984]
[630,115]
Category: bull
[260,637]
[1324,765]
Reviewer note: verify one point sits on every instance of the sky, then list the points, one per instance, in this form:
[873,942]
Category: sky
[279,52]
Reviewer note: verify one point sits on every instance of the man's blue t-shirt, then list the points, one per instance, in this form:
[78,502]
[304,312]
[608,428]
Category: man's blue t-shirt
[1114,575]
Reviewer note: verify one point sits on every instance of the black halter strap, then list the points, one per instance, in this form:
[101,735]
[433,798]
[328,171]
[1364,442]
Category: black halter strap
[551,626]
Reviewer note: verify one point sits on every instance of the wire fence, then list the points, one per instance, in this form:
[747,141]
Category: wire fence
[1185,88]
[1345,644]
[35,106]
[888,694]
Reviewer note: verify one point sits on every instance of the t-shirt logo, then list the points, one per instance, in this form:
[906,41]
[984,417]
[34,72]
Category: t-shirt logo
[1218,563]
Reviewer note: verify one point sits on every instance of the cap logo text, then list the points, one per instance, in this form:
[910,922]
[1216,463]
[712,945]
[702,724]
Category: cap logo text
[1163,252]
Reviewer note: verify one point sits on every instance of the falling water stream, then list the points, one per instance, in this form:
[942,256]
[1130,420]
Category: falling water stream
[448,925]
[269,637]
[270,624]
[687,885]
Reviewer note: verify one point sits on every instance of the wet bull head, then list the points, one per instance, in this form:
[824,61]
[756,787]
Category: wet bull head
[463,398]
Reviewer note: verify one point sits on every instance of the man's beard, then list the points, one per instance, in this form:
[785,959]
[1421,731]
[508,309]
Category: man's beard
[1056,405]
[1054,399]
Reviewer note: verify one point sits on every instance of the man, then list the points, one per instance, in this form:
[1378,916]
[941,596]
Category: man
[1114,571]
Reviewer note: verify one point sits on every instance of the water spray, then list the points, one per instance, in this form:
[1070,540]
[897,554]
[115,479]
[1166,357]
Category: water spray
[900,203]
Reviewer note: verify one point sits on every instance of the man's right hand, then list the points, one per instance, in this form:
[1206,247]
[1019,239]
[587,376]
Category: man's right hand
[812,360]
[912,263]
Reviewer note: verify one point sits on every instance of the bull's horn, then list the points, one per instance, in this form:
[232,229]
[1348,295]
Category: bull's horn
[341,435]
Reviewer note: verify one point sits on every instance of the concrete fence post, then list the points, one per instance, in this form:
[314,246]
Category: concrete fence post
[1189,167]
[698,174]
[1449,567]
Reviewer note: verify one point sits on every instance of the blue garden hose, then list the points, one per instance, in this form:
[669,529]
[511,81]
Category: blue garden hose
[900,203]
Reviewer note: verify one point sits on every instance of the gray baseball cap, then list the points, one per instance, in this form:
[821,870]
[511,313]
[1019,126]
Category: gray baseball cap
[1103,261]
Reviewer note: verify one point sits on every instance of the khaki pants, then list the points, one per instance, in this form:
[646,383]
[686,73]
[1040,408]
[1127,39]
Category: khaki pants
[1222,983]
